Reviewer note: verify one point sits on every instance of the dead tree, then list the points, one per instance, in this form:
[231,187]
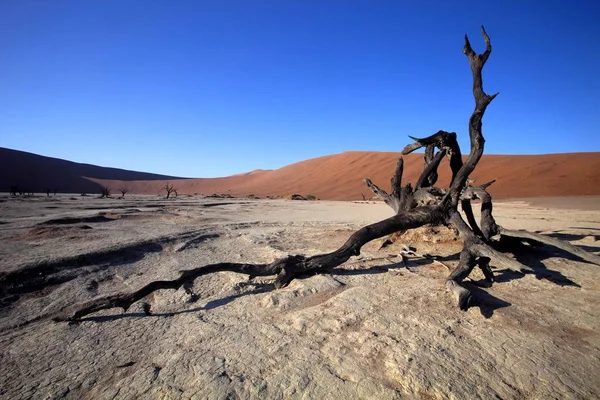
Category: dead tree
[123,190]
[414,207]
[14,190]
[105,192]
[169,188]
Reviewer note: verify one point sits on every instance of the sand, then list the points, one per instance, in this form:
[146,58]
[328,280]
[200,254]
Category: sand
[331,177]
[341,176]
[372,329]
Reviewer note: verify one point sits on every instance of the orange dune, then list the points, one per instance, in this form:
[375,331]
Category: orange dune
[341,176]
[333,177]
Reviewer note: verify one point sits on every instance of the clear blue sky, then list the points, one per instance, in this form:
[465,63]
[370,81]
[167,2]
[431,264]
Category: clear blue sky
[213,88]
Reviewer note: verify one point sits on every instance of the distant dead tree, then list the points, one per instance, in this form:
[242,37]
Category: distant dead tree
[414,207]
[47,192]
[169,188]
[105,191]
[123,190]
[14,190]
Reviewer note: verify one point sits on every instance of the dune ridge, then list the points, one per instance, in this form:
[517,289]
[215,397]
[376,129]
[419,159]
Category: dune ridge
[331,177]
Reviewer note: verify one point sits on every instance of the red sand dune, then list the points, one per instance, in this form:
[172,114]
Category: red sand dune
[341,176]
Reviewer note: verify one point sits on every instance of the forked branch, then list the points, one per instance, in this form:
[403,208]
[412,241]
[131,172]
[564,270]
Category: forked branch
[482,100]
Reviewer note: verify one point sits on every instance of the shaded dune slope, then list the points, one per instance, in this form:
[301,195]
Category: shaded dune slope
[38,173]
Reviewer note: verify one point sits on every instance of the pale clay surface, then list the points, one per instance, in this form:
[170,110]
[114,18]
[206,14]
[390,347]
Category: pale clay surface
[372,330]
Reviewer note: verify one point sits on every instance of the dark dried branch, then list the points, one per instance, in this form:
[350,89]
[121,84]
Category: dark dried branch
[428,196]
[401,197]
[429,175]
[479,248]
[382,194]
[482,100]
[453,283]
[286,269]
[125,300]
[396,180]
[484,264]
[488,223]
[468,210]
[440,139]
[443,141]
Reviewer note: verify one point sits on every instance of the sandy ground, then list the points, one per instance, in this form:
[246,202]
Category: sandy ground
[373,329]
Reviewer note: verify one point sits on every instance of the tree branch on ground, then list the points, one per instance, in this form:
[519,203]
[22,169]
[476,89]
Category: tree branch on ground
[413,207]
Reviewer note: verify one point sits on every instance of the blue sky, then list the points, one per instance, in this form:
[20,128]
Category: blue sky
[214,88]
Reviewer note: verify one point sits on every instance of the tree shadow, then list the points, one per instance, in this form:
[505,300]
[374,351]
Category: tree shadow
[571,237]
[540,270]
[450,257]
[379,269]
[534,255]
[533,258]
[258,288]
[486,302]
[583,227]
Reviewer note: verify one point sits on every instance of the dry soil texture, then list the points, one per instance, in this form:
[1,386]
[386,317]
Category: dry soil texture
[372,329]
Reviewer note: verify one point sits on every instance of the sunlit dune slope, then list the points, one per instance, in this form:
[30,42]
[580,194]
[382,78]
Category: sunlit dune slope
[341,176]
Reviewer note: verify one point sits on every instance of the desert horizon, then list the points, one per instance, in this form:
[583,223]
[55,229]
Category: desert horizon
[330,177]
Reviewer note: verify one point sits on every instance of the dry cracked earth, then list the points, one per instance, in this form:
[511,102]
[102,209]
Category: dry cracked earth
[375,328]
